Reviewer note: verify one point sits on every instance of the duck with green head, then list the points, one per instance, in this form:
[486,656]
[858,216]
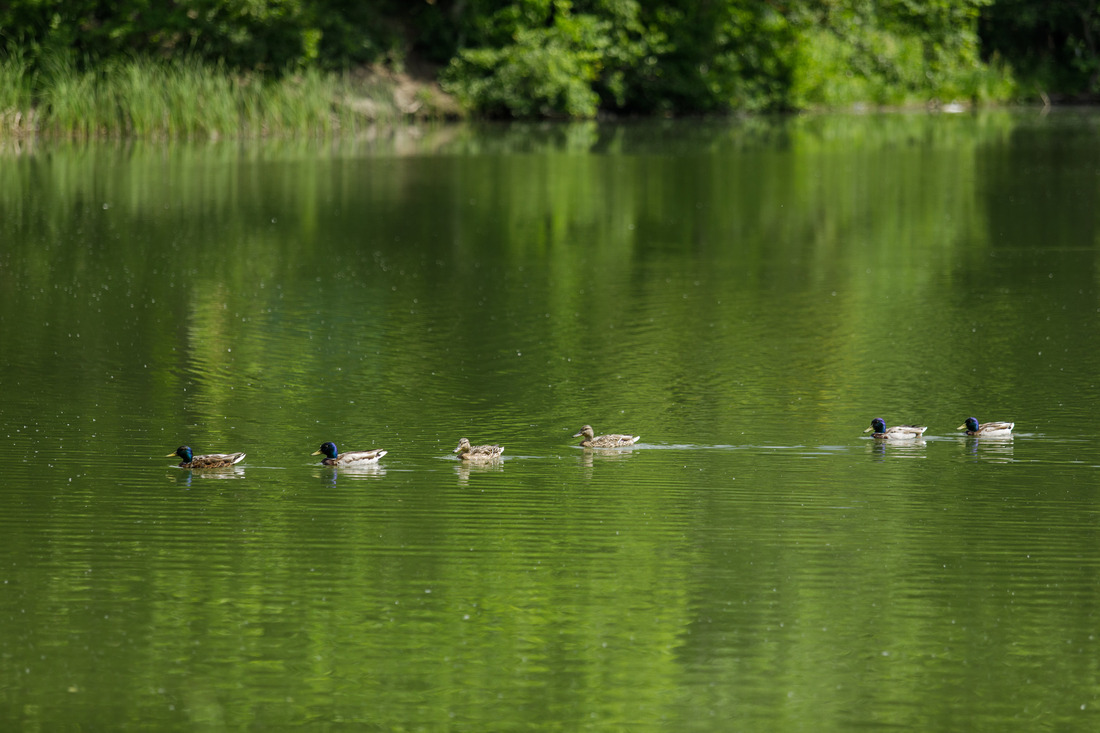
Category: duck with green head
[898,432]
[210,460]
[987,429]
[351,458]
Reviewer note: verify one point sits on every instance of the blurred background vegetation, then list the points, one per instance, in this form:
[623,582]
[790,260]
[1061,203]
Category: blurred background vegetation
[293,63]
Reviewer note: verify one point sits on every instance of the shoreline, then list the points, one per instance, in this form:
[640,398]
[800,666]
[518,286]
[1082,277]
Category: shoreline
[186,100]
[190,100]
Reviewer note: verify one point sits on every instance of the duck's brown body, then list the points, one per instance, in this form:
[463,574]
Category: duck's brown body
[611,440]
[478,453]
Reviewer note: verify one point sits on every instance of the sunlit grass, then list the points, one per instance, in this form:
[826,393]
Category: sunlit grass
[308,102]
[179,99]
[883,69]
[16,82]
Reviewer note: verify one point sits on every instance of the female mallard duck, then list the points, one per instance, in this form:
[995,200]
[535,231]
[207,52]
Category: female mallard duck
[469,452]
[898,432]
[211,460]
[614,440]
[987,429]
[351,458]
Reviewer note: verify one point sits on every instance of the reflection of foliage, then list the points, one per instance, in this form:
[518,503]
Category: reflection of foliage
[606,236]
[723,279]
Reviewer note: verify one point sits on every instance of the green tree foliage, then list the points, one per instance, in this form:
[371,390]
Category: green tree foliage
[546,57]
[1055,45]
[580,58]
[243,34]
[554,58]
[572,58]
[545,68]
[246,34]
[721,56]
[888,52]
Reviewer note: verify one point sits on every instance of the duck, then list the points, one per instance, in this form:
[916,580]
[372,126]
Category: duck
[898,432]
[469,452]
[613,440]
[211,460]
[352,458]
[987,429]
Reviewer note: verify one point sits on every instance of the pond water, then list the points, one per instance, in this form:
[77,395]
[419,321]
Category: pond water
[744,295]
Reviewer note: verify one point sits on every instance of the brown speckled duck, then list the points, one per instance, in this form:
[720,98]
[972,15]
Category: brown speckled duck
[478,453]
[612,440]
[211,460]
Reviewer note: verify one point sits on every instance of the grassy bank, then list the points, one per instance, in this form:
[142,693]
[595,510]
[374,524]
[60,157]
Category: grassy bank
[189,99]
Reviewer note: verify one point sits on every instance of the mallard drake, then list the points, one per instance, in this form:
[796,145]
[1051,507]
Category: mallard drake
[613,440]
[351,458]
[211,460]
[987,429]
[469,452]
[898,432]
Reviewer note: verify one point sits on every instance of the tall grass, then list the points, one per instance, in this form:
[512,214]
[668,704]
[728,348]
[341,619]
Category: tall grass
[16,82]
[178,99]
[309,102]
[182,99]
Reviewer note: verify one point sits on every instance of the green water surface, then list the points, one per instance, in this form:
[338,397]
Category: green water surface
[744,295]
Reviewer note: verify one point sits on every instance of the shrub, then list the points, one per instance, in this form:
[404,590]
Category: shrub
[547,71]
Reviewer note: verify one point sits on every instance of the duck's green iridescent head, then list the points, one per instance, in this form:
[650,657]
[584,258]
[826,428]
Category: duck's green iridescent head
[878,425]
[328,449]
[972,424]
[184,452]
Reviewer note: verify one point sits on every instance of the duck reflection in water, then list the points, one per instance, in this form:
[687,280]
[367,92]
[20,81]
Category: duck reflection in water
[184,478]
[589,458]
[996,449]
[465,468]
[910,448]
[330,474]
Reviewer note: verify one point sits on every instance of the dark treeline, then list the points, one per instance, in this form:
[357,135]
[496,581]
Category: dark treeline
[576,58]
